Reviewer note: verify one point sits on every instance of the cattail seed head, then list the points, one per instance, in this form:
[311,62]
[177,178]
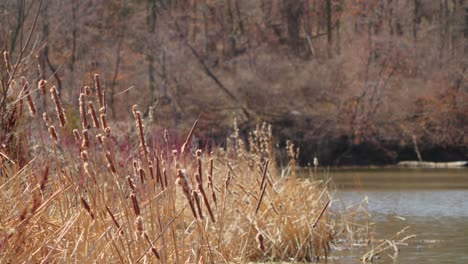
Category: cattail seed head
[142,175]
[136,206]
[77,136]
[85,140]
[42,86]
[58,106]
[84,155]
[84,120]
[110,162]
[92,112]
[108,131]
[46,118]
[6,57]
[53,133]
[139,224]
[134,110]
[87,91]
[87,208]
[99,139]
[86,168]
[99,92]
[166,136]
[29,100]
[260,242]
[130,183]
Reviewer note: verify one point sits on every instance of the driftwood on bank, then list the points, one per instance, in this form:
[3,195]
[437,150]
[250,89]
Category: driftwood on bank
[429,164]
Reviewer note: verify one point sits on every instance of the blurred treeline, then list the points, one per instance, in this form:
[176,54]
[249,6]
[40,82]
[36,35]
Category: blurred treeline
[349,81]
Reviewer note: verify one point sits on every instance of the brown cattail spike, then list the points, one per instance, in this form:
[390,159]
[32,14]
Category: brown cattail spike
[205,199]
[92,112]
[29,100]
[182,181]
[87,208]
[42,86]
[84,120]
[210,182]
[85,140]
[110,162]
[260,242]
[99,92]
[114,220]
[58,106]
[6,57]
[53,133]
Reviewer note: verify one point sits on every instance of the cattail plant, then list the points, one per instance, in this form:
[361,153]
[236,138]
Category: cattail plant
[92,112]
[6,57]
[205,199]
[140,127]
[29,100]
[58,106]
[99,91]
[84,120]
[87,207]
[53,133]
[183,183]
[260,242]
[85,140]
[42,86]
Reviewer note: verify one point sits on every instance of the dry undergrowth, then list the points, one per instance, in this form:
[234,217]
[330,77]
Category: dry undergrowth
[81,199]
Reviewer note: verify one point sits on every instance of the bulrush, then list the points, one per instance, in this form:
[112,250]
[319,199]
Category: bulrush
[92,112]
[139,124]
[199,164]
[87,91]
[99,91]
[130,183]
[205,199]
[53,133]
[153,248]
[58,106]
[158,171]
[77,137]
[196,197]
[42,86]
[102,113]
[260,243]
[142,174]
[46,118]
[100,139]
[87,208]
[114,220]
[6,57]
[210,182]
[182,181]
[107,130]
[136,209]
[189,137]
[85,140]
[29,100]
[84,120]
[84,155]
[110,162]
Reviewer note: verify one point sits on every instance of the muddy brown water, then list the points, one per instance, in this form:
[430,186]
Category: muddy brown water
[432,202]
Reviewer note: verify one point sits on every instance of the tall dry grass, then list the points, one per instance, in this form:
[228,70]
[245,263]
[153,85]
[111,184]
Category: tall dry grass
[80,199]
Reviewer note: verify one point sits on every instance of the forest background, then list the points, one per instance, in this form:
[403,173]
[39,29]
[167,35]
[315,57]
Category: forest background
[352,82]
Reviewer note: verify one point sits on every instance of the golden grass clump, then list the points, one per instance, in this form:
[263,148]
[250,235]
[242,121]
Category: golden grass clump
[94,203]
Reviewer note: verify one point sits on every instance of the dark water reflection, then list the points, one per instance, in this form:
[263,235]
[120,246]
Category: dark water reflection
[434,203]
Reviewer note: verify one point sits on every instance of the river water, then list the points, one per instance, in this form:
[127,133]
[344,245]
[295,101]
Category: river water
[432,202]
